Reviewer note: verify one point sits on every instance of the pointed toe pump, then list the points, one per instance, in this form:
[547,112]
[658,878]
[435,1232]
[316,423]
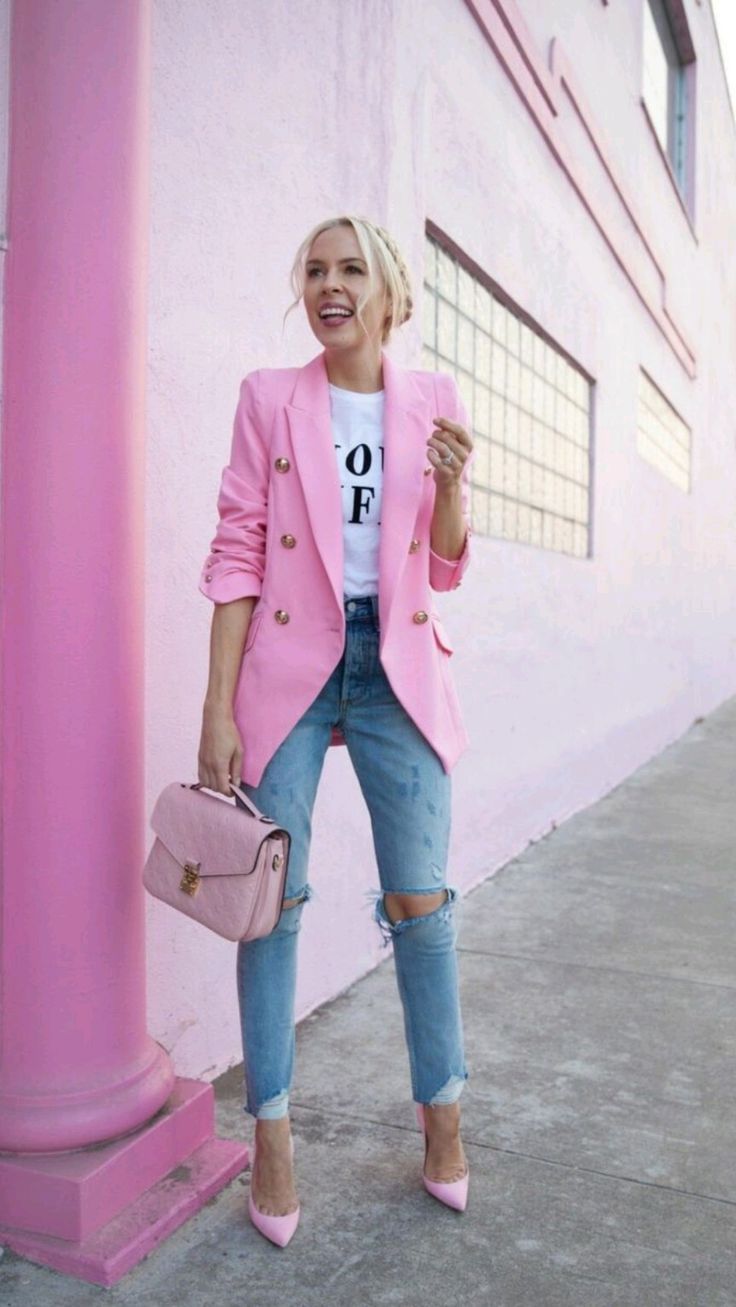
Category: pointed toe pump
[278,1229]
[452,1192]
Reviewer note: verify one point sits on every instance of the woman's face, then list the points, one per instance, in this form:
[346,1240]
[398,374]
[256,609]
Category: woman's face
[336,273]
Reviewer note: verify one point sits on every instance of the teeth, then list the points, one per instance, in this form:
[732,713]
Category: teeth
[336,313]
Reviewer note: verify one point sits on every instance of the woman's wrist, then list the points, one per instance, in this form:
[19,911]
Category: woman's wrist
[448,526]
[217,705]
[448,491]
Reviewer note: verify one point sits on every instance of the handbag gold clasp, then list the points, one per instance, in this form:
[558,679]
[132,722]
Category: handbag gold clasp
[191,879]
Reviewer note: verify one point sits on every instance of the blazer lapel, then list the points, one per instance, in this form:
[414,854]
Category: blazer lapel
[407,427]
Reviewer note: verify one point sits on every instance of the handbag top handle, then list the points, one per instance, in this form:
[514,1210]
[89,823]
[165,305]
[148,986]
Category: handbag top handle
[197,785]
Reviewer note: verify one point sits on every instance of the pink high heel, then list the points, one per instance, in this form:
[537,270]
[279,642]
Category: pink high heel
[278,1229]
[452,1192]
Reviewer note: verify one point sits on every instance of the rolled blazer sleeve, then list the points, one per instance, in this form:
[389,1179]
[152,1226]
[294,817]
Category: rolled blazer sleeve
[235,563]
[447,573]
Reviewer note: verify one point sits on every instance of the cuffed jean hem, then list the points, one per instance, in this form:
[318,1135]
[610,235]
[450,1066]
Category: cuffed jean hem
[450,1091]
[273,1109]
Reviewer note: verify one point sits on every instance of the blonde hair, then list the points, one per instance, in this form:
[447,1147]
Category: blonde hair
[380,251]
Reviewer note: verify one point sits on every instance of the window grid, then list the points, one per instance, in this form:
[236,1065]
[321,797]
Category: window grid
[662,438]
[529,409]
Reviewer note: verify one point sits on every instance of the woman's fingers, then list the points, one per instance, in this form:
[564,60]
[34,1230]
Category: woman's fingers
[455,434]
[452,437]
[236,766]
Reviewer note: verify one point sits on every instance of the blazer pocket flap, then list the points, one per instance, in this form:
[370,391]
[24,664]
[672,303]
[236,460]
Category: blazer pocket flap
[442,637]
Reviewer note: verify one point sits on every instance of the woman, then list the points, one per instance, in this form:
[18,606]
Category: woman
[339,511]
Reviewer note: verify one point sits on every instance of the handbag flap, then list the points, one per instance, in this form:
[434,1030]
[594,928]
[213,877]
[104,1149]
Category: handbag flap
[200,827]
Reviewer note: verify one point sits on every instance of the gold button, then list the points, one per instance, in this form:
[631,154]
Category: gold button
[413,546]
[421,616]
[281,616]
[288,541]
[282,464]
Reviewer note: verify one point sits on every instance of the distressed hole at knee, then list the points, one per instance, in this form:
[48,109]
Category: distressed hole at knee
[412,905]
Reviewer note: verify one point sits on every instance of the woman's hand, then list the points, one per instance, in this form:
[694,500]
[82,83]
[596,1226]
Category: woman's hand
[451,439]
[220,750]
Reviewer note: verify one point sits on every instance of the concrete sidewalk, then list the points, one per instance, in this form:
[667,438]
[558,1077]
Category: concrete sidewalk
[598,983]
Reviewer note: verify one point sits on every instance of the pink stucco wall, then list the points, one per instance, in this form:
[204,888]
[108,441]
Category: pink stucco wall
[572,672]
[4,108]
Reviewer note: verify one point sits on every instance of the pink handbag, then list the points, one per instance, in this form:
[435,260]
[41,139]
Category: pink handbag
[217,863]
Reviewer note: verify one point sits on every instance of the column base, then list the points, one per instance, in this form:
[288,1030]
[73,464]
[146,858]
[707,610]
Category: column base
[97,1212]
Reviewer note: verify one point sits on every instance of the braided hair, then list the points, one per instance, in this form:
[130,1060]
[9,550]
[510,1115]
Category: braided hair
[401,269]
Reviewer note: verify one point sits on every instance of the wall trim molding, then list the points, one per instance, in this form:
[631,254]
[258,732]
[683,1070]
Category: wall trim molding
[542,90]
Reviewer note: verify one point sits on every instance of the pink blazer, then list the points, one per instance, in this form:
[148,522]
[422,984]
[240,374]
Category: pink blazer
[280,537]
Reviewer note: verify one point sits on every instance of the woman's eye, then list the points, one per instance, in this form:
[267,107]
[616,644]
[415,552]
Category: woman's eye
[352,267]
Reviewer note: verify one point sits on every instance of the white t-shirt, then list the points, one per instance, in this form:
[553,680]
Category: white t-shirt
[357,434]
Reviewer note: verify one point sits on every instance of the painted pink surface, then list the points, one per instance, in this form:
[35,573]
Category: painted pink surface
[166,1171]
[282,476]
[106,1256]
[546,92]
[77,1066]
[534,156]
[76,1063]
[82,1187]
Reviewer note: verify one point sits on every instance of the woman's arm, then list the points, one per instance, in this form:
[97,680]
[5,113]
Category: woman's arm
[228,634]
[221,747]
[450,532]
[449,525]
[231,577]
[235,563]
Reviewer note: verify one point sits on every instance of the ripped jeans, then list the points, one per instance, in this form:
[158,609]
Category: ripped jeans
[407,792]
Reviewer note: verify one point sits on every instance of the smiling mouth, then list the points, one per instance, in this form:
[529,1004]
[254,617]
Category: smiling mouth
[333,313]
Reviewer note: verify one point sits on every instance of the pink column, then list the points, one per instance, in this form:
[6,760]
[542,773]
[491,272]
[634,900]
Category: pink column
[77,1067]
